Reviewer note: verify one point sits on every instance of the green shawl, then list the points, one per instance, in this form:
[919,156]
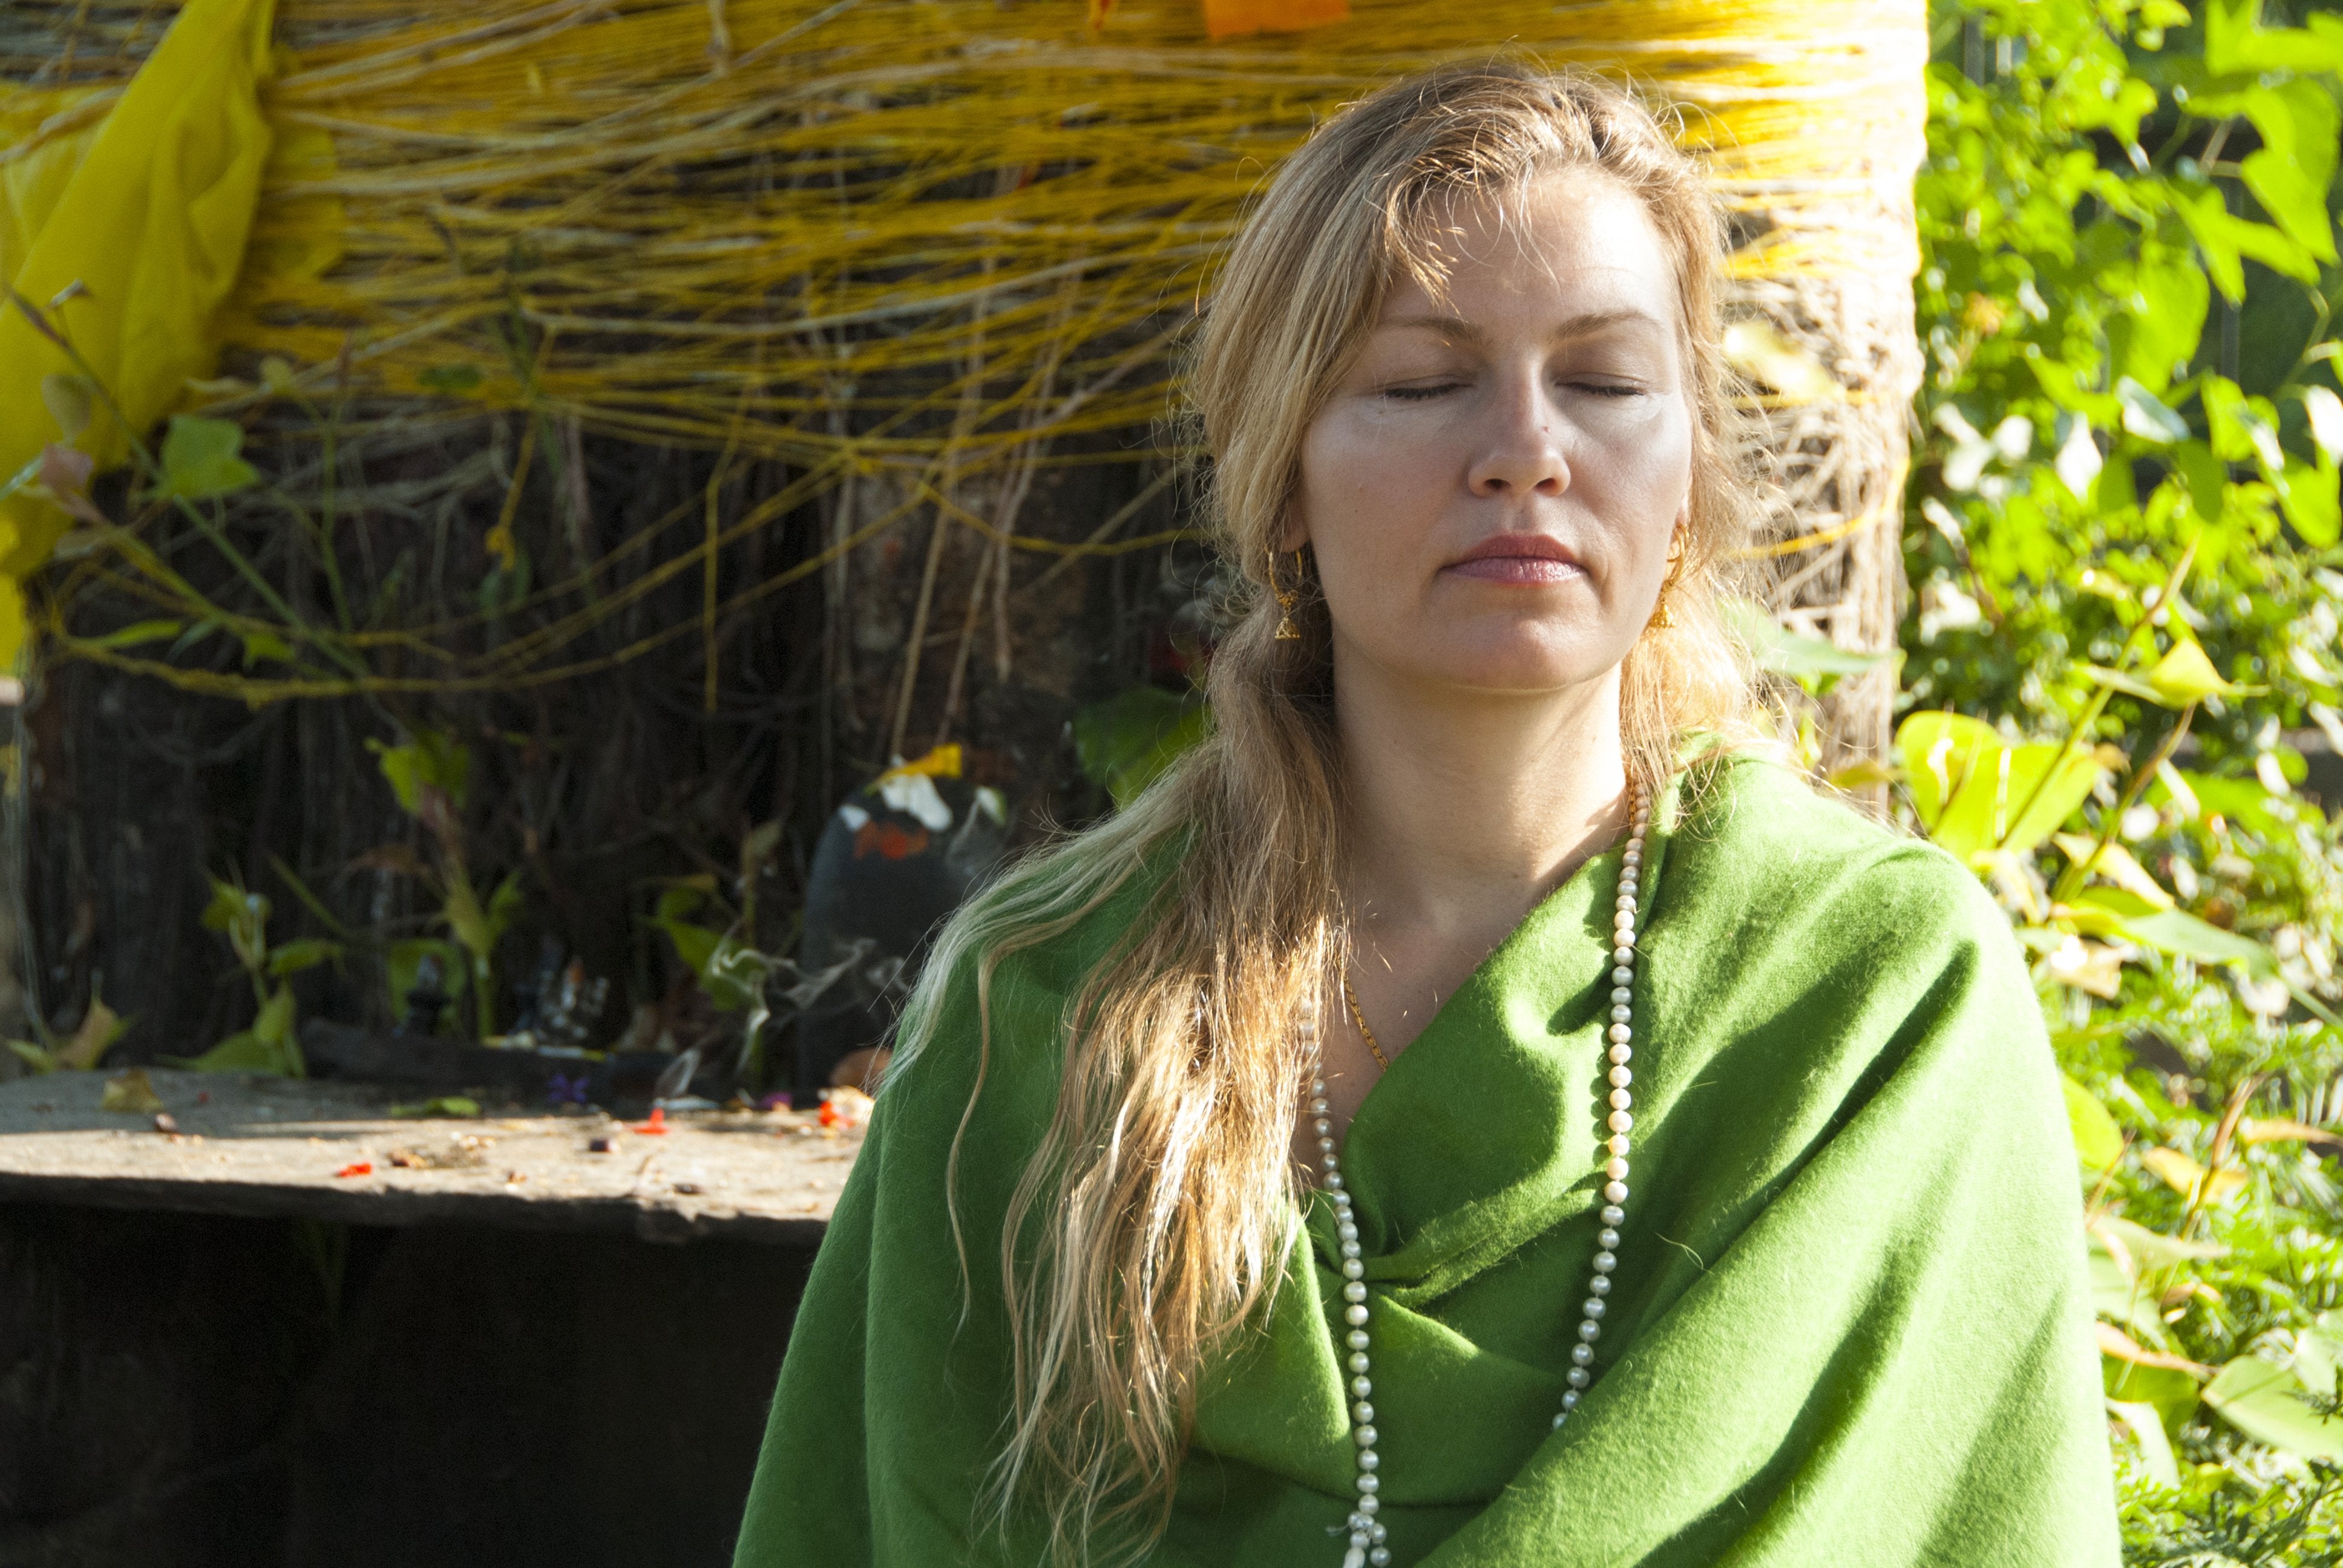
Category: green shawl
[1850,1325]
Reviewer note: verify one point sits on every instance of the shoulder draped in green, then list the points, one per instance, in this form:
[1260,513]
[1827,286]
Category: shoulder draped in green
[1850,1328]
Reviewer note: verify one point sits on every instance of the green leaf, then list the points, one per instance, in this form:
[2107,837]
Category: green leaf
[2146,415]
[259,644]
[2144,1422]
[243,918]
[2183,935]
[2317,1350]
[2270,1403]
[267,1047]
[1813,662]
[41,1062]
[2183,675]
[2222,238]
[680,900]
[457,1105]
[2308,497]
[505,906]
[2166,315]
[2120,1299]
[1970,787]
[308,953]
[137,632]
[2238,45]
[2206,476]
[2289,174]
[2169,1391]
[1126,742]
[430,758]
[275,1024]
[2242,427]
[735,975]
[2098,1141]
[695,945]
[2153,1251]
[200,459]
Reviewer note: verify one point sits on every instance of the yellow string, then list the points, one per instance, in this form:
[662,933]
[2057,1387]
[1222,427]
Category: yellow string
[686,226]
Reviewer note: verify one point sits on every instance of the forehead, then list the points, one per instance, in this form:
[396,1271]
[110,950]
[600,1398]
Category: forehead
[1576,238]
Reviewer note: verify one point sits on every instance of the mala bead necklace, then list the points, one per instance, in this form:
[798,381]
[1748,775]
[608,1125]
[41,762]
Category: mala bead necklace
[1367,1532]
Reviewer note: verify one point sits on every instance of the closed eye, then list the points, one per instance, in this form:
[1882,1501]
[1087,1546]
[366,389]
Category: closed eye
[1608,388]
[1419,393]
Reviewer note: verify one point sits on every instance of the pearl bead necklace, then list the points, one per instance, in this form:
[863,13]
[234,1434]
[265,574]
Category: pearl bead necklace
[1367,1532]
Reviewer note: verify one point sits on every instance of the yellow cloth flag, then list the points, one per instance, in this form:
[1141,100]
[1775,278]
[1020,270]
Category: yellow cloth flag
[148,211]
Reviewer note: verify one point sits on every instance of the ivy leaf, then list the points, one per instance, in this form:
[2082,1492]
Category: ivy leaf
[2289,174]
[2168,300]
[2238,45]
[2223,238]
[200,459]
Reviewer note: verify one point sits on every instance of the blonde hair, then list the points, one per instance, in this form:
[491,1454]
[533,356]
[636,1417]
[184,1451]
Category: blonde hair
[1159,1209]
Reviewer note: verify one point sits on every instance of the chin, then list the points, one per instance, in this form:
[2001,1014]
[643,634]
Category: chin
[1526,666]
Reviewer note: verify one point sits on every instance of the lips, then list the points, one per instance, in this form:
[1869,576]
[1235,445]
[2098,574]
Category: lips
[1529,558]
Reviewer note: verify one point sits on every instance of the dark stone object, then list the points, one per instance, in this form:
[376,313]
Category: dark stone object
[177,1392]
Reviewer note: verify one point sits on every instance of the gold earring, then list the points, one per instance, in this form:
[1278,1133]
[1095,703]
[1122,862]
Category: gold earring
[1661,616]
[1286,599]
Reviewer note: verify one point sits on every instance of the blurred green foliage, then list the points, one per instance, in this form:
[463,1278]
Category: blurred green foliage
[2122,528]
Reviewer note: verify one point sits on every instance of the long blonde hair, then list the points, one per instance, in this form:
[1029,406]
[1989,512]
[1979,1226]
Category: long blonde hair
[1155,1218]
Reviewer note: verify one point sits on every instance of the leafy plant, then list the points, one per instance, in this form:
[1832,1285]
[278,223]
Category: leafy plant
[428,773]
[99,1027]
[1125,742]
[271,1044]
[2123,528]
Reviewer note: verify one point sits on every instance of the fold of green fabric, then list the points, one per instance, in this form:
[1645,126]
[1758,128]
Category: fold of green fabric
[1850,1323]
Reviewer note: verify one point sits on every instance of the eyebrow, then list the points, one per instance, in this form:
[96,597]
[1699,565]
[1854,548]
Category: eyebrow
[1583,325]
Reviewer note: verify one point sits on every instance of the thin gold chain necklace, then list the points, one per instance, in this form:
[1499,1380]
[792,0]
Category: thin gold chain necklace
[1360,1019]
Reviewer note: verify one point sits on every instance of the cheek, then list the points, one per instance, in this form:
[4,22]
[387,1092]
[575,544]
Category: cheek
[1369,486]
[1640,456]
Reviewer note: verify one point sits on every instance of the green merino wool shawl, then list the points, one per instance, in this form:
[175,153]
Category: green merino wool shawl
[1850,1325]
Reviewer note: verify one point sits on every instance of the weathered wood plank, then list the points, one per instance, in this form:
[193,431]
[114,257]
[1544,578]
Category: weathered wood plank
[259,1146]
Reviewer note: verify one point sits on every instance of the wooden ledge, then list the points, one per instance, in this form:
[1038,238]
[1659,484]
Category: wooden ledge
[275,1147]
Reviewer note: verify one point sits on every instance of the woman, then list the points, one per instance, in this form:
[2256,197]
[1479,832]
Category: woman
[1253,1184]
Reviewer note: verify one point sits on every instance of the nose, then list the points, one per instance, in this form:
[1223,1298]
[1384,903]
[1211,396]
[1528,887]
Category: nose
[1521,452]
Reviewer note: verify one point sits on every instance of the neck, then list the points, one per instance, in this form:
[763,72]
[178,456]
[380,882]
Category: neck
[1466,809]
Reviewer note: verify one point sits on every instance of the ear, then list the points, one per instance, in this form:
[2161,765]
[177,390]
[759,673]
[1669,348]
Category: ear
[1289,535]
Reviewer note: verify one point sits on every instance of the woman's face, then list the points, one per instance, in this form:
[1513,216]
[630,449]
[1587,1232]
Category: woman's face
[1491,488]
